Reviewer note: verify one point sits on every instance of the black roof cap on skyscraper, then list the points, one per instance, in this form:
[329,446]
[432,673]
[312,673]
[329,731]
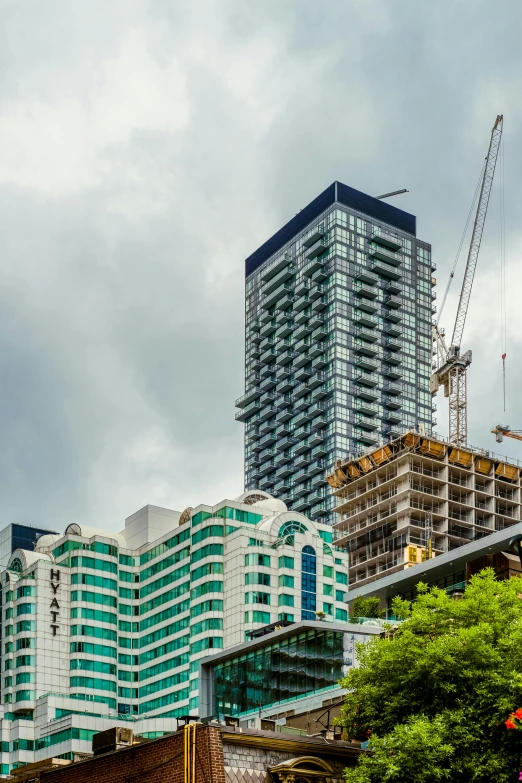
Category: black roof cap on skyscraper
[373,207]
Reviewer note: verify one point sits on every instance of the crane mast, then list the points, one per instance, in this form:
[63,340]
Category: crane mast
[451,365]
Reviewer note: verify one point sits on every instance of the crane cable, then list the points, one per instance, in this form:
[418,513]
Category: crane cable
[471,209]
[503,308]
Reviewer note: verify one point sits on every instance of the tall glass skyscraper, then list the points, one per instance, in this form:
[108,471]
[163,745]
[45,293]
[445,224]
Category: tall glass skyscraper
[339,305]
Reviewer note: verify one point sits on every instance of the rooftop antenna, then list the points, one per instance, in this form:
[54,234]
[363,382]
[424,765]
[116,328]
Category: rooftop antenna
[393,193]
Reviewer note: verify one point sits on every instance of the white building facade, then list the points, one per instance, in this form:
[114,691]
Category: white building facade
[101,628]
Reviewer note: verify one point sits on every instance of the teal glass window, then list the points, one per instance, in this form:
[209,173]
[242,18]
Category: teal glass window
[89,648]
[171,543]
[93,614]
[92,630]
[166,614]
[82,561]
[128,576]
[93,683]
[25,609]
[206,551]
[308,583]
[23,644]
[24,696]
[328,571]
[339,595]
[163,581]
[288,528]
[26,591]
[257,578]
[207,643]
[94,598]
[327,608]
[286,562]
[164,649]
[327,589]
[166,597]
[285,580]
[24,660]
[162,565]
[254,559]
[102,582]
[128,560]
[163,633]
[257,597]
[165,701]
[25,677]
[257,616]
[285,599]
[210,624]
[205,588]
[207,532]
[341,577]
[341,614]
[25,625]
[206,570]
[211,605]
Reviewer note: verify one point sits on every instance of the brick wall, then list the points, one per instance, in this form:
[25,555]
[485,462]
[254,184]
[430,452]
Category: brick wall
[157,761]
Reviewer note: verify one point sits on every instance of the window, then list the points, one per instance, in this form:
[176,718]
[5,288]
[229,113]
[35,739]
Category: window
[255,597]
[81,561]
[341,577]
[211,605]
[25,660]
[24,625]
[93,614]
[206,551]
[206,570]
[207,643]
[328,571]
[90,630]
[308,583]
[286,562]
[286,617]
[257,578]
[256,616]
[26,591]
[288,528]
[285,580]
[341,614]
[94,581]
[25,609]
[253,559]
[94,598]
[8,647]
[160,549]
[94,683]
[167,562]
[207,532]
[285,599]
[206,587]
[93,649]
[24,644]
[328,589]
[328,608]
[211,624]
[339,595]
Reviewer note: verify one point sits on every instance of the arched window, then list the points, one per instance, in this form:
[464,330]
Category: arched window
[308,583]
[16,565]
[287,530]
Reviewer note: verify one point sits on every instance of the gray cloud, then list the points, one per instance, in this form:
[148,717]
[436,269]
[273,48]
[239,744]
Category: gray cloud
[147,148]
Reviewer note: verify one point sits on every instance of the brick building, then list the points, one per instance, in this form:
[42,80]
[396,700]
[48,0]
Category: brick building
[220,754]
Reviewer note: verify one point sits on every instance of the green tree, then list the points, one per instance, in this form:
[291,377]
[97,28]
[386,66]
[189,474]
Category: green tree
[366,607]
[433,692]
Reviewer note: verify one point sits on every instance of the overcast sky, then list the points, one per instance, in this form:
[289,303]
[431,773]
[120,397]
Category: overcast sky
[147,147]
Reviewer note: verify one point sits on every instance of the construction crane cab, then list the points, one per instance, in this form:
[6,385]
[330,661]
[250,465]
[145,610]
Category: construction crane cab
[500,432]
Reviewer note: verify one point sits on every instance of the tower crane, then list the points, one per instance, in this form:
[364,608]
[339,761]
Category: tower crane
[500,432]
[450,365]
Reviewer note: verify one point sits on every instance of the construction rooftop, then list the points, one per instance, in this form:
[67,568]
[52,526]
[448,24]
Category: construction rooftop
[418,497]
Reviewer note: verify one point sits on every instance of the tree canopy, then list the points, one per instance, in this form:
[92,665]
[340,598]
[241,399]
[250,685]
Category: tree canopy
[434,692]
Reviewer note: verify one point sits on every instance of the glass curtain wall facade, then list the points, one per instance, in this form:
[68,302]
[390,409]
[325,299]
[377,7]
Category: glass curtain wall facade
[339,305]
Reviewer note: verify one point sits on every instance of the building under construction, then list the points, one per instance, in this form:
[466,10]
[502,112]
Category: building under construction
[418,497]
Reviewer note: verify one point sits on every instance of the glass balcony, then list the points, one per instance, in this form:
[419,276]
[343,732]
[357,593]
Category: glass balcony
[364,319]
[318,452]
[369,380]
[285,330]
[285,357]
[319,363]
[367,408]
[316,249]
[253,326]
[392,358]
[301,360]
[317,379]
[285,292]
[247,397]
[268,440]
[393,388]
[315,349]
[319,304]
[316,320]
[281,277]
[368,438]
[365,363]
[392,403]
[317,409]
[365,292]
[393,288]
[366,423]
[267,413]
[387,240]
[384,254]
[393,344]
[302,303]
[268,356]
[393,330]
[284,317]
[283,458]
[301,332]
[393,315]
[393,302]
[285,470]
[303,417]
[367,349]
[319,275]
[268,383]
[302,345]
[284,345]
[366,334]
[364,393]
[275,266]
[393,417]
[302,317]
[268,342]
[368,306]
[302,374]
[315,234]
[268,329]
[382,268]
[248,411]
[312,266]
[255,338]
[282,373]
[365,276]
[303,460]
[392,373]
[318,393]
[320,333]
[285,442]
[317,467]
[316,291]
